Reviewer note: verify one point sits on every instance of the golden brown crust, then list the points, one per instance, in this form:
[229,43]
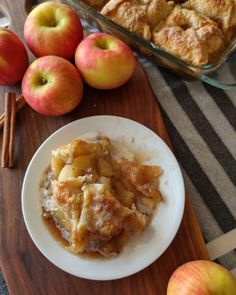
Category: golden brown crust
[112,5]
[67,192]
[138,16]
[157,11]
[190,36]
[129,16]
[182,44]
[221,11]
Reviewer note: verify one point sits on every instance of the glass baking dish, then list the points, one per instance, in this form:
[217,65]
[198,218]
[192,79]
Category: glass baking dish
[221,74]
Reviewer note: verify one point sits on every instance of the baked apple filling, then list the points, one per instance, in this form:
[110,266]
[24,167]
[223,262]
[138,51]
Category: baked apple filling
[96,200]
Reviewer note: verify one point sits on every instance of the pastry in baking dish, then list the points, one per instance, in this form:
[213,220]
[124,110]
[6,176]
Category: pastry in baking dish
[137,16]
[190,36]
[96,201]
[157,10]
[221,11]
[196,31]
[128,15]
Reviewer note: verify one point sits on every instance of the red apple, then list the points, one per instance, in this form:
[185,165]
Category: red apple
[53,29]
[13,58]
[52,86]
[201,277]
[104,61]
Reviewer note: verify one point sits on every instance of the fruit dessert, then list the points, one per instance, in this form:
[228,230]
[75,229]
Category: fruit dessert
[190,36]
[95,199]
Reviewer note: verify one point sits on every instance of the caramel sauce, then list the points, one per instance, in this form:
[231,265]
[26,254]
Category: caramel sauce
[56,233]
[92,255]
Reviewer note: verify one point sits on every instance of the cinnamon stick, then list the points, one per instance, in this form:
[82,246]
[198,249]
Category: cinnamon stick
[12,130]
[20,102]
[9,130]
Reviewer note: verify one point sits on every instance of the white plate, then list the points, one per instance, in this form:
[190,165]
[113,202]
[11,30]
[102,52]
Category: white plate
[138,253]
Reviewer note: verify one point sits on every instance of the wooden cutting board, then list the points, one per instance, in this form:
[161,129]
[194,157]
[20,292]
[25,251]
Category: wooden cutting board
[25,269]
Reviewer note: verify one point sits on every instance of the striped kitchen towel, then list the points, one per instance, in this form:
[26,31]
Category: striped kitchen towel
[201,122]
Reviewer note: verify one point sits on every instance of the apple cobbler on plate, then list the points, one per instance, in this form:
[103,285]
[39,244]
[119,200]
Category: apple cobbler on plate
[103,194]
[95,199]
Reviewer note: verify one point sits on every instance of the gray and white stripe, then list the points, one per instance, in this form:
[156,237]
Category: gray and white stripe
[201,121]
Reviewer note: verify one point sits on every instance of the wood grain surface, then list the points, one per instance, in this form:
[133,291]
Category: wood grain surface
[25,269]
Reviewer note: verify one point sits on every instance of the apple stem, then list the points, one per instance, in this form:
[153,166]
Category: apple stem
[44,81]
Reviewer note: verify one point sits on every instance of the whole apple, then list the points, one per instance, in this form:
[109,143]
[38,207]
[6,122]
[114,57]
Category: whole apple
[201,277]
[104,61]
[52,86]
[13,58]
[53,29]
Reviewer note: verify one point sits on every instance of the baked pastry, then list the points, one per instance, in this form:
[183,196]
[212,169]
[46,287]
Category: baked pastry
[138,16]
[95,200]
[221,11]
[190,36]
[128,15]
[157,11]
